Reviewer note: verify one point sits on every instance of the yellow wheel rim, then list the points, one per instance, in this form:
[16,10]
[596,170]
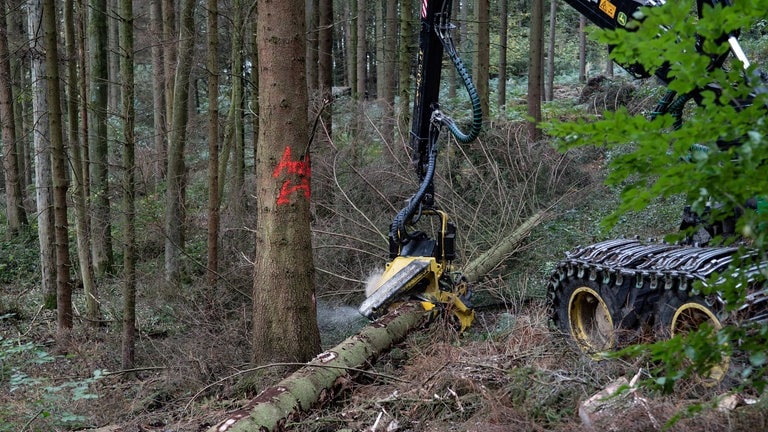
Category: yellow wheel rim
[688,317]
[590,321]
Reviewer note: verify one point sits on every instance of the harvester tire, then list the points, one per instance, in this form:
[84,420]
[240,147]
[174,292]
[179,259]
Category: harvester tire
[588,314]
[679,313]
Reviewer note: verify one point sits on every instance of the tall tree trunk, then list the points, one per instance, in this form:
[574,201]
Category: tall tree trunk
[362,80]
[76,157]
[174,213]
[284,309]
[14,206]
[535,76]
[101,245]
[388,77]
[113,58]
[213,143]
[82,85]
[18,41]
[129,185]
[41,138]
[362,51]
[314,28]
[325,57]
[170,42]
[235,120]
[550,83]
[350,29]
[501,89]
[608,63]
[255,89]
[378,50]
[452,81]
[158,89]
[60,183]
[582,49]
[404,65]
[483,54]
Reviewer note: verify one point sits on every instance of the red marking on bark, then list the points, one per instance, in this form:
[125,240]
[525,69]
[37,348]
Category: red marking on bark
[300,169]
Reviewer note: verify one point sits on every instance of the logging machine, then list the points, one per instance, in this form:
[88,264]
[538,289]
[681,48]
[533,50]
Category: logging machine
[421,260]
[596,290]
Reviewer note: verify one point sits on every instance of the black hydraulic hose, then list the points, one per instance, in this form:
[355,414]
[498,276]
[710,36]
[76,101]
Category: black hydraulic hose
[398,230]
[443,28]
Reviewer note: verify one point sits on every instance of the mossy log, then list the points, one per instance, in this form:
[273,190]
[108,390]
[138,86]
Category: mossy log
[320,379]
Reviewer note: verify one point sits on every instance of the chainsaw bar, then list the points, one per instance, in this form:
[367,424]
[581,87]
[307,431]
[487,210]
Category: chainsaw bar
[395,284]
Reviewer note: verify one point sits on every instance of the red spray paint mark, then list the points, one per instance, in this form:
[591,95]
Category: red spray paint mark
[300,169]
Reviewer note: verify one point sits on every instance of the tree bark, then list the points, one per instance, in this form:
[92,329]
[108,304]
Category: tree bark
[483,54]
[404,65]
[79,191]
[212,267]
[314,29]
[129,184]
[101,245]
[550,83]
[159,119]
[582,49]
[59,171]
[379,48]
[350,29]
[42,150]
[501,90]
[362,51]
[235,121]
[14,208]
[321,377]
[388,74]
[284,309]
[535,69]
[174,215]
[325,58]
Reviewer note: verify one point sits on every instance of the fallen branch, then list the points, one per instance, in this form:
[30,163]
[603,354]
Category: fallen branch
[491,258]
[320,379]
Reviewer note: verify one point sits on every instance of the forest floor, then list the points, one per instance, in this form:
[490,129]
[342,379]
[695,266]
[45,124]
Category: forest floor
[509,372]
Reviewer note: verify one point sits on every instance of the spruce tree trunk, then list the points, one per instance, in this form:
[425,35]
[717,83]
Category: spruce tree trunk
[159,119]
[129,185]
[284,309]
[535,69]
[501,90]
[325,60]
[550,83]
[101,245]
[582,49]
[174,215]
[388,77]
[483,54]
[59,171]
[213,144]
[42,155]
[404,66]
[79,191]
[14,208]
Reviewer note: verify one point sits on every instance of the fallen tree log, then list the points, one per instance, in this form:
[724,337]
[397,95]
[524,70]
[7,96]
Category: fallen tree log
[491,258]
[320,379]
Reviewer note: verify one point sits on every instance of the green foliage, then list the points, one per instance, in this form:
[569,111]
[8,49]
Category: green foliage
[20,257]
[662,161]
[43,398]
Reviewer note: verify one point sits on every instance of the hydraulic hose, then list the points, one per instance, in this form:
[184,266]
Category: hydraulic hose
[398,230]
[443,31]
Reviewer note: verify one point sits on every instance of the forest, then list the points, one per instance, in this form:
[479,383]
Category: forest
[165,254]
